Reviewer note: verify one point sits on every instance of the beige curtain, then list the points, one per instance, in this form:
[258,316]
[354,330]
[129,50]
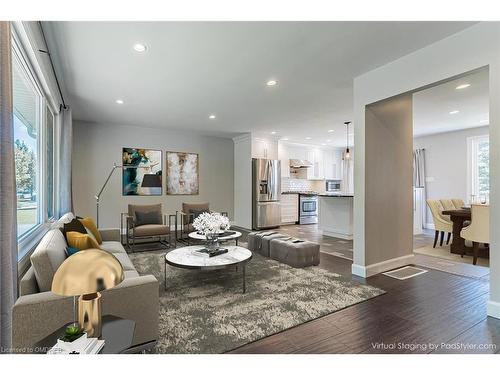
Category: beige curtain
[8,219]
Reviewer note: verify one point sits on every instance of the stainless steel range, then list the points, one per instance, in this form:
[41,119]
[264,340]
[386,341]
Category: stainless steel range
[308,208]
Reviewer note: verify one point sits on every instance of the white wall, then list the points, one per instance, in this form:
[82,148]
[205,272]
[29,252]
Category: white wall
[97,146]
[243,181]
[446,164]
[473,48]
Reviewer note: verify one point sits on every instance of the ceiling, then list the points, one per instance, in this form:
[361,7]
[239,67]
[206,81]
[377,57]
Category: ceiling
[432,107]
[193,69]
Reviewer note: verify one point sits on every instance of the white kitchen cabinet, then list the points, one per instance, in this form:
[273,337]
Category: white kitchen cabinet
[284,157]
[317,171]
[332,163]
[329,164]
[289,208]
[264,148]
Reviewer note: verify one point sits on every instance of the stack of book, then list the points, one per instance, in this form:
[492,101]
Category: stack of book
[82,345]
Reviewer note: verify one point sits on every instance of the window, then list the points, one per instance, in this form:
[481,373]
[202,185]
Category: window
[27,107]
[478,168]
[34,144]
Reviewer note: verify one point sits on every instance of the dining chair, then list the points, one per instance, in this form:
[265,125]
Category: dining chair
[442,223]
[458,203]
[479,229]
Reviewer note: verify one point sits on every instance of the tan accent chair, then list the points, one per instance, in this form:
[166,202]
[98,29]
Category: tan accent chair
[442,223]
[186,217]
[479,229]
[148,221]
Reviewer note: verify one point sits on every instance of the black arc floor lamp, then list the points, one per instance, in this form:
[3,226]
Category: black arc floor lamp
[149,180]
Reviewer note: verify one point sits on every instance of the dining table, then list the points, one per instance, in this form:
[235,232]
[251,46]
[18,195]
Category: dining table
[458,218]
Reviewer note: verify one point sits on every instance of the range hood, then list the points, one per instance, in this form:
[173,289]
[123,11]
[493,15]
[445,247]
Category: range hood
[299,163]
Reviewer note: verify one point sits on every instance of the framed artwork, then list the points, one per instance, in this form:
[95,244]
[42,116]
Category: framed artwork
[142,171]
[182,173]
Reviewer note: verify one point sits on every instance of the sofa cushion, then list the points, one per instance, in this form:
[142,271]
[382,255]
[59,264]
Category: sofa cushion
[134,208]
[47,257]
[130,274]
[124,261]
[66,218]
[151,230]
[81,241]
[147,217]
[73,226]
[89,223]
[113,247]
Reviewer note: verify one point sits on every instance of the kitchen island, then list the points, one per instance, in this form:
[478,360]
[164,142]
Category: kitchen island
[336,215]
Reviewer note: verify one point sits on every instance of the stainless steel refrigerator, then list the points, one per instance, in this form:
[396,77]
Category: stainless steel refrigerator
[266,193]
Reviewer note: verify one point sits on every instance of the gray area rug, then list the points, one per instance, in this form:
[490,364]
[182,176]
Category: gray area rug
[206,312]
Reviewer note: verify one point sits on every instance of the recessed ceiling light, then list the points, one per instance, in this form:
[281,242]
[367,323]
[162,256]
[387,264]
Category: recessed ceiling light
[273,132]
[331,131]
[272,82]
[139,47]
[308,138]
[285,139]
[211,117]
[328,140]
[454,112]
[463,86]
[119,101]
[323,144]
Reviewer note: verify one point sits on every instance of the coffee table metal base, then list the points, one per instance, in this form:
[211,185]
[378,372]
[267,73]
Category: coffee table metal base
[243,274]
[239,260]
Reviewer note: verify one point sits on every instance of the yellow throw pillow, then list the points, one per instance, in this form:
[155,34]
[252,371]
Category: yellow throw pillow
[88,223]
[81,241]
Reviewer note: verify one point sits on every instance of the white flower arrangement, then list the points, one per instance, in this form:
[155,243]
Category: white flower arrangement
[211,223]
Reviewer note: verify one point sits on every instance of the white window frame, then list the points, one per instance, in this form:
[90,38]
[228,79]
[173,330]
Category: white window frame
[30,239]
[472,168]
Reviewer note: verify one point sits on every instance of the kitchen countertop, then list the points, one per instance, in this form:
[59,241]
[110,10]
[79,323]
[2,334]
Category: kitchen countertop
[300,192]
[337,195]
[332,195]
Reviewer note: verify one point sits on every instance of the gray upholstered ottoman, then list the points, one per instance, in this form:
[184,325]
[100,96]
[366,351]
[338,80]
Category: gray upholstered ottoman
[294,252]
[260,241]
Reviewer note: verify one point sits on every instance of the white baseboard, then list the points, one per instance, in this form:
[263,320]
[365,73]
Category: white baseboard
[429,226]
[386,265]
[493,309]
[343,236]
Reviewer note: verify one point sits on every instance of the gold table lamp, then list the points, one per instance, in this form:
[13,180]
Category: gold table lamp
[85,274]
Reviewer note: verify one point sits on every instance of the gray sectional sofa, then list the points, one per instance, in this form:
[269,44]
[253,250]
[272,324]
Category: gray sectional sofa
[39,312]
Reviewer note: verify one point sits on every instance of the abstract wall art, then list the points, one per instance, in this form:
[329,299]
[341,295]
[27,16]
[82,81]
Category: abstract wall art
[182,173]
[142,171]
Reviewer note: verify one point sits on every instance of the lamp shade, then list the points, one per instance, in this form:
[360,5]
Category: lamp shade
[151,180]
[86,272]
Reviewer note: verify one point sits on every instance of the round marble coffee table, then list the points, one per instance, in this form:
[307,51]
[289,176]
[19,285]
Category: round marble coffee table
[201,237]
[190,257]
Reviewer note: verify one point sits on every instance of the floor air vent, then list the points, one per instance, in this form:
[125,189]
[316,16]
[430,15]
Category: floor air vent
[405,272]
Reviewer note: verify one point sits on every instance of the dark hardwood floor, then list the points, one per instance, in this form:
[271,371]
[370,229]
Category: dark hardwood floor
[435,312]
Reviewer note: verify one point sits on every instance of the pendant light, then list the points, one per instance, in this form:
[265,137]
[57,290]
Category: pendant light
[347,154]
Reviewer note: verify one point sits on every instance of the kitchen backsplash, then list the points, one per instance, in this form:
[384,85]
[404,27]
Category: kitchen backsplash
[298,184]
